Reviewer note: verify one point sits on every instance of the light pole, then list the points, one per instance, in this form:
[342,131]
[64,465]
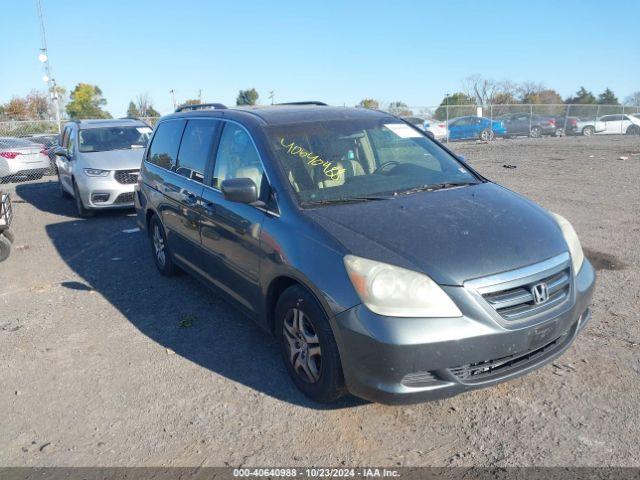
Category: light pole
[271,96]
[446,106]
[48,77]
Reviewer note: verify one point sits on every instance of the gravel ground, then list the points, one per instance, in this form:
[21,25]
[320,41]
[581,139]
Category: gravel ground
[105,362]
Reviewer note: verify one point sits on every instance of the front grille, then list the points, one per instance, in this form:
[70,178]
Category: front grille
[517,302]
[486,370]
[126,176]
[124,199]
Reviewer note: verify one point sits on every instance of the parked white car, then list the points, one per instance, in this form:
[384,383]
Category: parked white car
[610,125]
[21,158]
[437,127]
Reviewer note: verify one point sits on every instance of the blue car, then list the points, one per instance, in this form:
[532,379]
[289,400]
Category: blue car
[475,127]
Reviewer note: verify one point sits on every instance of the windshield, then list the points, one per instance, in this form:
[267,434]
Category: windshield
[347,159]
[113,138]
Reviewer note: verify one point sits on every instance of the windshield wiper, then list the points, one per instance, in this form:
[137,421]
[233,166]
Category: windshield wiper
[327,201]
[433,187]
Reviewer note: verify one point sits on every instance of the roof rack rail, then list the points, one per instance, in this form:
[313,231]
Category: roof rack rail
[311,102]
[201,106]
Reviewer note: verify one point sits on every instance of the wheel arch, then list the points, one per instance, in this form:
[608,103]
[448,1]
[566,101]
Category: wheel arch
[275,289]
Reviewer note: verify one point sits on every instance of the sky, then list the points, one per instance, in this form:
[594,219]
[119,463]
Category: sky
[338,52]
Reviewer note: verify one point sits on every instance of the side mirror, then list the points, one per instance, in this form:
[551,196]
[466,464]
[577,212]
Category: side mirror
[241,190]
[61,152]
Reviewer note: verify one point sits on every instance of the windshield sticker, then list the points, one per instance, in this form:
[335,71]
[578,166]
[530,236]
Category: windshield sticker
[403,130]
[331,170]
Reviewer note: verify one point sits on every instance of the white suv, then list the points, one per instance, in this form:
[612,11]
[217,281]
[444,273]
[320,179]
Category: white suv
[99,160]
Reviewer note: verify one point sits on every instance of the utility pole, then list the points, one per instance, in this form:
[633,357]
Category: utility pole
[271,96]
[200,96]
[173,98]
[44,58]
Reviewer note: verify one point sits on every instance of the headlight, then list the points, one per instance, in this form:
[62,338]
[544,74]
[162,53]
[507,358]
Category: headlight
[571,237]
[96,172]
[397,292]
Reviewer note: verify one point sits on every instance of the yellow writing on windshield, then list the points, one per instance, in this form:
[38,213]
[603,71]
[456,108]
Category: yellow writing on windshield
[331,170]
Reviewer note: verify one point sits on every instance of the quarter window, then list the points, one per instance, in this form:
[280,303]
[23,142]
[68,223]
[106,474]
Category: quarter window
[164,148]
[195,148]
[237,157]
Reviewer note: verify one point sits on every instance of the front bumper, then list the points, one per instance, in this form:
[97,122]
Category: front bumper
[408,360]
[105,192]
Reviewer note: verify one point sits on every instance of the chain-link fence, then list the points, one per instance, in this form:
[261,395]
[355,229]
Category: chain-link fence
[488,122]
[26,147]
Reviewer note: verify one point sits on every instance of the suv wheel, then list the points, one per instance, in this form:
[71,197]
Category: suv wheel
[160,249]
[83,211]
[308,346]
[588,131]
[536,132]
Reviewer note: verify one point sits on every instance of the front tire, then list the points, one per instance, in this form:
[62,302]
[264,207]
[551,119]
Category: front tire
[63,191]
[160,248]
[536,132]
[633,130]
[83,211]
[487,135]
[588,131]
[308,347]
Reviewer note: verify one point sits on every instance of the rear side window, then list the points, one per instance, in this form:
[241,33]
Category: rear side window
[164,147]
[196,148]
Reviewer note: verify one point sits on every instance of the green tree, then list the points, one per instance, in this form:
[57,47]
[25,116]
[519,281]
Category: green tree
[247,97]
[370,103]
[583,96]
[152,112]
[400,109]
[457,98]
[546,96]
[132,111]
[85,102]
[608,98]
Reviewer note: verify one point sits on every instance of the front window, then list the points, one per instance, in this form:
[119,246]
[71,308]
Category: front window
[347,160]
[113,138]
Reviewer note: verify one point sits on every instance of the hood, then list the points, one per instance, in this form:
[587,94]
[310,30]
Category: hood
[451,235]
[113,159]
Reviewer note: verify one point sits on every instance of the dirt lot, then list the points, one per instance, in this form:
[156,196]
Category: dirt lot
[104,362]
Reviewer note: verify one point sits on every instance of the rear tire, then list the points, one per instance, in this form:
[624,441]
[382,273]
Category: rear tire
[82,210]
[308,347]
[536,132]
[5,247]
[588,131]
[160,248]
[633,130]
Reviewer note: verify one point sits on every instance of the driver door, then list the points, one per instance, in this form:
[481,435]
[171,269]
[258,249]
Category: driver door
[63,163]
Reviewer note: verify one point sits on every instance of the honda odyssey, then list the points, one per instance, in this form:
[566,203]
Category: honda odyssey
[383,263]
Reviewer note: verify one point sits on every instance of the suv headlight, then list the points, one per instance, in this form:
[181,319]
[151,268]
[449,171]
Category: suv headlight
[571,237]
[96,172]
[397,292]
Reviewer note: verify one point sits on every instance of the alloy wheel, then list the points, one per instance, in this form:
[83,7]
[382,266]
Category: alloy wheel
[158,244]
[303,345]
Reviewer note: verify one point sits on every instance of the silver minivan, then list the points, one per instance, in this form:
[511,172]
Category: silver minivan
[98,162]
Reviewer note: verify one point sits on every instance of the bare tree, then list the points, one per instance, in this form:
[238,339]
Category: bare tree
[144,103]
[526,90]
[633,100]
[480,88]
